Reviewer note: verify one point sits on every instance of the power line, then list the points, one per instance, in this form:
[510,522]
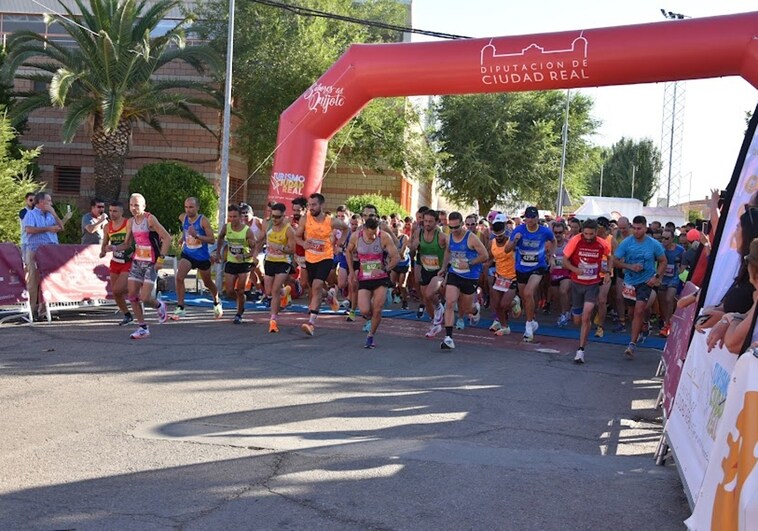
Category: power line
[308,12]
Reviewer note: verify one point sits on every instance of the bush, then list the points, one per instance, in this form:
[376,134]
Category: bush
[385,205]
[166,185]
[72,231]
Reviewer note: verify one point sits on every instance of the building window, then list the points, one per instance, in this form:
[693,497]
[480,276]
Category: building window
[236,191]
[68,179]
[40,86]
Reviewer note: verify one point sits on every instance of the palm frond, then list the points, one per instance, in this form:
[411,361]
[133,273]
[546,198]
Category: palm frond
[77,113]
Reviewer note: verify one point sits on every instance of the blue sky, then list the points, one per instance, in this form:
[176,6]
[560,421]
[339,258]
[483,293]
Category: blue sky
[714,108]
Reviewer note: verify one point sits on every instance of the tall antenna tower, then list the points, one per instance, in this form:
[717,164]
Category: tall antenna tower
[672,135]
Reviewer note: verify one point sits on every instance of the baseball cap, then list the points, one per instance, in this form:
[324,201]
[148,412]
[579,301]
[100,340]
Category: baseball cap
[603,222]
[492,215]
[499,218]
[693,235]
[531,212]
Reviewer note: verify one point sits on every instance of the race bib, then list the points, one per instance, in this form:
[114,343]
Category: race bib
[190,242]
[300,261]
[670,268]
[559,262]
[143,253]
[502,283]
[236,253]
[459,263]
[528,259]
[317,246]
[587,271]
[430,262]
[372,269]
[275,250]
[629,292]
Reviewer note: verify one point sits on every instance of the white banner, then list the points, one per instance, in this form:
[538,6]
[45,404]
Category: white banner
[728,498]
[698,407]
[728,258]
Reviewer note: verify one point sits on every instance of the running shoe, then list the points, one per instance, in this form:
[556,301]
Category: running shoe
[286,297]
[345,304]
[237,319]
[579,358]
[439,313]
[629,352]
[420,312]
[369,342]
[404,305]
[273,328]
[218,310]
[367,326]
[495,326]
[447,343]
[140,333]
[179,313]
[504,331]
[126,320]
[308,328]
[665,331]
[621,327]
[563,320]
[350,316]
[396,299]
[516,306]
[599,332]
[433,331]
[474,318]
[528,332]
[162,313]
[459,324]
[645,332]
[546,308]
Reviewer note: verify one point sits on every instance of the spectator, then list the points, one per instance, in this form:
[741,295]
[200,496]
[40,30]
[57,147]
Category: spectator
[738,330]
[28,207]
[41,226]
[93,223]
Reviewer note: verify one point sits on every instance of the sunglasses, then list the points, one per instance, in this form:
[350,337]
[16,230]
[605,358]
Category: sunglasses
[456,227]
[275,216]
[557,232]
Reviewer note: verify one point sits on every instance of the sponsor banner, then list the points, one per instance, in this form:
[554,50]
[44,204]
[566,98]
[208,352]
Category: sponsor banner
[728,498]
[728,258]
[72,273]
[698,408]
[12,283]
[285,186]
[675,350]
[320,98]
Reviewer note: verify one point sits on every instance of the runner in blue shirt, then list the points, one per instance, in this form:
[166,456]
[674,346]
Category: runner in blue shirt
[638,256]
[533,244]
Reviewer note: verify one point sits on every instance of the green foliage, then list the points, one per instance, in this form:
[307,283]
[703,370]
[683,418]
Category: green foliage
[278,55]
[72,230]
[15,182]
[500,149]
[694,215]
[166,185]
[385,205]
[617,175]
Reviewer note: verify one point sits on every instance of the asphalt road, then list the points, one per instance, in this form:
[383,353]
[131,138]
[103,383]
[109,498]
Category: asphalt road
[208,425]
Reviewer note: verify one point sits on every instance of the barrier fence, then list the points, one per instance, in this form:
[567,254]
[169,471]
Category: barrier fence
[14,299]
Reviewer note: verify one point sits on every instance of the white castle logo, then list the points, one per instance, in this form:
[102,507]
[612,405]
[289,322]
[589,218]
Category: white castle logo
[534,64]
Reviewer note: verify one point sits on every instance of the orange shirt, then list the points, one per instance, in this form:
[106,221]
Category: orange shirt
[505,263]
[319,235]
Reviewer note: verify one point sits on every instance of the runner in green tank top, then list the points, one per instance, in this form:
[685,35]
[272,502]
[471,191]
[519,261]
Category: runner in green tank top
[240,243]
[431,243]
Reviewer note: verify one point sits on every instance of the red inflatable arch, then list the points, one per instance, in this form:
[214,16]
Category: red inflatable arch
[646,53]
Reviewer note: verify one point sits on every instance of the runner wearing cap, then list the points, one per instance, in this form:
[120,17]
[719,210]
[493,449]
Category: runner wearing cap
[503,291]
[533,244]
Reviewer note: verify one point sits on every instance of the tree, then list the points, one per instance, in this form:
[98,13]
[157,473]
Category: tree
[107,78]
[165,186]
[15,181]
[384,204]
[617,174]
[502,149]
[278,55]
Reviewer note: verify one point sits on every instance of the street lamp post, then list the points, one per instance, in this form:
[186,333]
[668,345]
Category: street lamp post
[563,155]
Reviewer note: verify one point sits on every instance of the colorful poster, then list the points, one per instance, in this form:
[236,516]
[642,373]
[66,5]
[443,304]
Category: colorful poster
[72,273]
[675,351]
[699,405]
[728,497]
[12,283]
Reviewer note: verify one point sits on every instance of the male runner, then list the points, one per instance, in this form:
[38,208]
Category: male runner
[430,244]
[623,231]
[638,256]
[670,283]
[142,274]
[503,291]
[367,248]
[196,235]
[465,254]
[240,243]
[560,281]
[533,244]
[280,245]
[121,261]
[603,233]
[315,236]
[584,256]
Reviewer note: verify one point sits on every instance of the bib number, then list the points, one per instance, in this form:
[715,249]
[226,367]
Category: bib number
[143,253]
[190,242]
[371,269]
[587,272]
[629,292]
[502,283]
[528,259]
[430,262]
[317,246]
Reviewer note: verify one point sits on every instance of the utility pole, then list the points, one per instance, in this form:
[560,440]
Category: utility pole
[601,179]
[563,155]
[634,171]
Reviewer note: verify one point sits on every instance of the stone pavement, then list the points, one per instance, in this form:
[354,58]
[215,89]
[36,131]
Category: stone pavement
[207,425]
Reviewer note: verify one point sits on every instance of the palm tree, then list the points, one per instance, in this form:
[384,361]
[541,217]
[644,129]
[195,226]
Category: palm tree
[106,79]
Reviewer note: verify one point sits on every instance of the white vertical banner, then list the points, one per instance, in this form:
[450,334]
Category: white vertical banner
[728,497]
[698,408]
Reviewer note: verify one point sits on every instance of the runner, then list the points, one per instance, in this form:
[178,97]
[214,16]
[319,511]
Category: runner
[341,276]
[196,235]
[367,248]
[237,239]
[299,205]
[623,231]
[142,274]
[121,261]
[256,274]
[465,255]
[416,229]
[584,256]
[532,243]
[670,283]
[280,245]
[503,292]
[638,256]
[560,277]
[603,233]
[315,236]
[400,272]
[430,244]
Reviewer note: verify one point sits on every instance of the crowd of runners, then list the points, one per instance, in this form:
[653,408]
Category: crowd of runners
[453,267]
